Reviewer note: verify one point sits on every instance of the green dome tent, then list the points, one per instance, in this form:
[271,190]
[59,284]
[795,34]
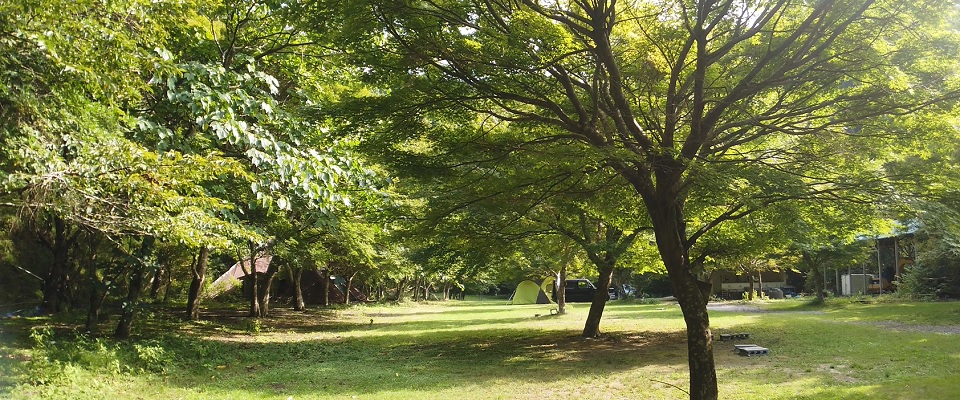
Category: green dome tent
[548,288]
[529,292]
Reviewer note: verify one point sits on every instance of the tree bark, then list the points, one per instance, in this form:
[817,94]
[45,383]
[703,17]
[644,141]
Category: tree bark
[326,288]
[199,268]
[96,298]
[56,287]
[168,279]
[298,303]
[760,284]
[752,289]
[562,290]
[416,290]
[592,327]
[137,278]
[264,292]
[254,282]
[346,295]
[93,310]
[157,281]
[692,296]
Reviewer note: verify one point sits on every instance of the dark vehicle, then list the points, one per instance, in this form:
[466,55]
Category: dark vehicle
[613,293]
[579,291]
[773,293]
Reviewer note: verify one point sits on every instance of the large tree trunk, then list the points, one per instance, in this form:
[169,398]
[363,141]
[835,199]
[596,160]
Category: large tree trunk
[137,278]
[56,287]
[346,296]
[401,288]
[298,303]
[416,290]
[264,292]
[817,271]
[691,294]
[93,310]
[561,283]
[96,298]
[196,284]
[592,326]
[96,289]
[562,290]
[157,281]
[760,283]
[168,279]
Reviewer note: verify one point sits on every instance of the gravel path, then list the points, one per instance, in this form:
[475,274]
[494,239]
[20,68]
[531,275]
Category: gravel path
[901,327]
[753,309]
[890,325]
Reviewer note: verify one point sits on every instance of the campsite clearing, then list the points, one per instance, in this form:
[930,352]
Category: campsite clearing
[488,349]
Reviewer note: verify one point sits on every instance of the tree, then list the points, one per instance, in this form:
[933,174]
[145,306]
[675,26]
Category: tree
[243,77]
[670,95]
[70,159]
[174,123]
[198,276]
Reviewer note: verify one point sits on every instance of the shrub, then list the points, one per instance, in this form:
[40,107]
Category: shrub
[930,280]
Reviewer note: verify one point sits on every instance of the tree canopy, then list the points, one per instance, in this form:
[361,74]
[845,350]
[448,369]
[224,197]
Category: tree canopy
[158,132]
[709,110]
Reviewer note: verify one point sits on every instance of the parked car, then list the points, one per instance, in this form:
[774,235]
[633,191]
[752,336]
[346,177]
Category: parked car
[612,291]
[579,291]
[773,293]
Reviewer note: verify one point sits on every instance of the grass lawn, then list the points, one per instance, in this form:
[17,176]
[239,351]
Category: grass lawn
[490,350]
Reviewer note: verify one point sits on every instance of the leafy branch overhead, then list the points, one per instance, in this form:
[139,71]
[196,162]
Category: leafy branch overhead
[710,111]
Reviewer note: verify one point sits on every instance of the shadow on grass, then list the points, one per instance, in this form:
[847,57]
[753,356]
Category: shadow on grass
[303,354]
[337,353]
[376,364]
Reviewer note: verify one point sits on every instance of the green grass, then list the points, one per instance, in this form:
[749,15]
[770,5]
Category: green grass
[490,350]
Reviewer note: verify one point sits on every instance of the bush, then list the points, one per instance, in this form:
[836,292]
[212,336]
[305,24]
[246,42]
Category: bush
[930,280]
[58,360]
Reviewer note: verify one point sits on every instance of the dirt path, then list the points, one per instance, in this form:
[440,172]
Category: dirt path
[902,327]
[889,325]
[735,307]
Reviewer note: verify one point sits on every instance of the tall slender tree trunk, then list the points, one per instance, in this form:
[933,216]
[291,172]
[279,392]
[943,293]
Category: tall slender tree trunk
[295,275]
[97,295]
[567,255]
[96,289]
[264,292]
[346,296]
[137,278]
[254,283]
[817,270]
[592,327]
[168,279]
[752,289]
[157,281]
[401,285]
[562,290]
[93,310]
[56,287]
[692,296]
[199,269]
[326,287]
[760,283]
